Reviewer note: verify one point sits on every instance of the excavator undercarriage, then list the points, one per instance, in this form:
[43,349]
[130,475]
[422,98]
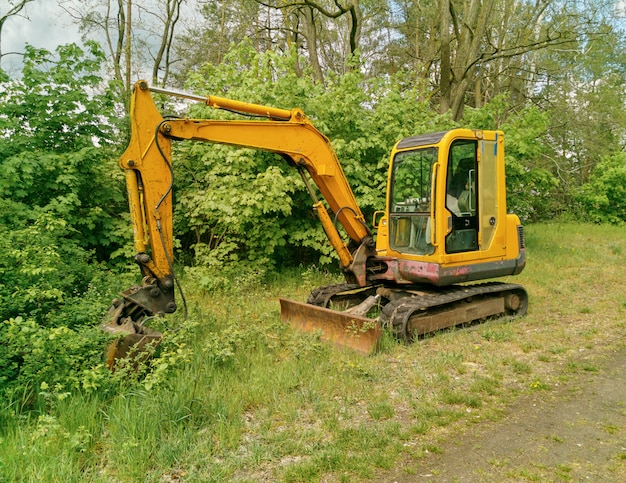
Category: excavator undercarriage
[408,313]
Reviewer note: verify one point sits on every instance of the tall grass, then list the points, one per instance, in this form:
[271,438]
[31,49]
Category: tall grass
[239,396]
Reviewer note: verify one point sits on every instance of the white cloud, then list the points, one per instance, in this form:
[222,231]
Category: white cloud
[44,25]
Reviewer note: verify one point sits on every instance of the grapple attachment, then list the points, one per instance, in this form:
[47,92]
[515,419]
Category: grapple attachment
[342,329]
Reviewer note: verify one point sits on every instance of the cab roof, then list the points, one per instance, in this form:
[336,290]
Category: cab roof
[421,140]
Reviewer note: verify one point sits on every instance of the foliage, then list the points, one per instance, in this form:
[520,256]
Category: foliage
[60,195]
[58,205]
[585,97]
[52,107]
[604,196]
[69,186]
[41,267]
[531,186]
[41,366]
[251,207]
[38,362]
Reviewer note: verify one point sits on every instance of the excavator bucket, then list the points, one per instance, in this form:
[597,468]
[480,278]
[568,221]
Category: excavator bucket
[342,329]
[132,343]
[132,338]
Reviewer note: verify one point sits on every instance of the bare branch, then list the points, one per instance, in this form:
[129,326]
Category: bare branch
[14,11]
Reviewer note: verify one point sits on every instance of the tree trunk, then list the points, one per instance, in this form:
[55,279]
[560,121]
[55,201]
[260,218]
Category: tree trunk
[128,26]
[310,34]
[445,74]
[457,72]
[162,58]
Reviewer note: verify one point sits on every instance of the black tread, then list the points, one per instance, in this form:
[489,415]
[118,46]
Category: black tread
[321,296]
[396,314]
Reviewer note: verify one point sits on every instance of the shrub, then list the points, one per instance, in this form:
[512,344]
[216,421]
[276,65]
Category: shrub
[604,196]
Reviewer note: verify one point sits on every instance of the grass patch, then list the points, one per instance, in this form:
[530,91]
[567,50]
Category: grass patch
[242,397]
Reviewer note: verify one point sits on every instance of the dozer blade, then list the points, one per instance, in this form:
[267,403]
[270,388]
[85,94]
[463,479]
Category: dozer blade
[339,328]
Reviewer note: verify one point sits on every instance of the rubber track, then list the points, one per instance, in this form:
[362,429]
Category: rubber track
[321,296]
[396,314]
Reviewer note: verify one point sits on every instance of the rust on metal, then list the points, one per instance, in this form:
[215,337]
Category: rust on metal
[341,329]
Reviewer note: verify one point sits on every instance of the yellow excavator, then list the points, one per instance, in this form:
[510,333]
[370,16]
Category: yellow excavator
[445,223]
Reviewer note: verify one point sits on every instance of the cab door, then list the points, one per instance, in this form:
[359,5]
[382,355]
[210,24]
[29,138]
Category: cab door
[461,197]
[410,201]
[472,194]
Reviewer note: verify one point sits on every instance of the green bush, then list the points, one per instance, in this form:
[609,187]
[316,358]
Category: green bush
[604,196]
[61,195]
[36,361]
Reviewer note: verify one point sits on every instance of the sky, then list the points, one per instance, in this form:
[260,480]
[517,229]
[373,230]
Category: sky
[44,25]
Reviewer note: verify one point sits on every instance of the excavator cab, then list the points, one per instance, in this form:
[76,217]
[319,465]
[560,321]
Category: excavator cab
[445,223]
[446,208]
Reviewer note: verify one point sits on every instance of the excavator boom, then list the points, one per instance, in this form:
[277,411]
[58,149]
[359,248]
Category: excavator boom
[149,179]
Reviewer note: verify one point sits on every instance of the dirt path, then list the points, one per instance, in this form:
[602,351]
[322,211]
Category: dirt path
[575,432]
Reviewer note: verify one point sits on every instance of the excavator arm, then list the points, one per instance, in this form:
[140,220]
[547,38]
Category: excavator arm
[149,180]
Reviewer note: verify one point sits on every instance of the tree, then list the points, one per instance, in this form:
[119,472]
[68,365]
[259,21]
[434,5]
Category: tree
[169,18]
[59,197]
[604,196]
[216,27]
[319,26]
[473,50]
[136,36]
[584,91]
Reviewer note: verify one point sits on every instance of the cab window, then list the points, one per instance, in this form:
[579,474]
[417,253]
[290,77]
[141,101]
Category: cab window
[461,200]
[411,201]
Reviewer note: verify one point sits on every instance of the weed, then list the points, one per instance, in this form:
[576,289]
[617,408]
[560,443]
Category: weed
[380,410]
[564,471]
[499,463]
[497,335]
[485,385]
[556,350]
[539,385]
[587,367]
[529,475]
[519,367]
[555,438]
[430,448]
